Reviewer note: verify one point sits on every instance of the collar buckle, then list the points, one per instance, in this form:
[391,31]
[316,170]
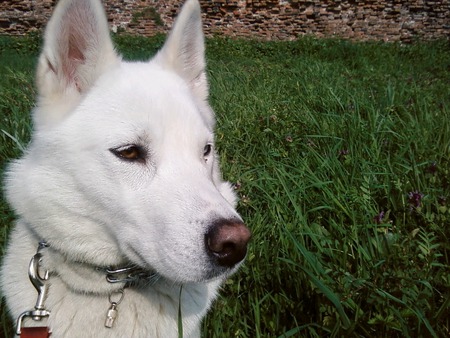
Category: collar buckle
[128,274]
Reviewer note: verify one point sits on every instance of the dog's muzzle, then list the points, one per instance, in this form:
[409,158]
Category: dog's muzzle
[226,242]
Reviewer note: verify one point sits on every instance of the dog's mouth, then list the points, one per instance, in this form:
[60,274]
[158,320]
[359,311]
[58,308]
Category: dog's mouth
[224,247]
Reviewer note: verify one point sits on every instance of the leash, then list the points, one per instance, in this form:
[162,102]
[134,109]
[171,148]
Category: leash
[35,332]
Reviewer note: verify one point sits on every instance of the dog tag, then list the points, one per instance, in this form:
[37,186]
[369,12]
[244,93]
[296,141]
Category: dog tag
[111,315]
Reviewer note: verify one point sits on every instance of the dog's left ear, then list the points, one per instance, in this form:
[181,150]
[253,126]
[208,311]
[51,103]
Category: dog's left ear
[184,50]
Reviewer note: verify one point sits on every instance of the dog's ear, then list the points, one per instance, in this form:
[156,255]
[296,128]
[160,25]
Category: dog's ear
[184,50]
[77,50]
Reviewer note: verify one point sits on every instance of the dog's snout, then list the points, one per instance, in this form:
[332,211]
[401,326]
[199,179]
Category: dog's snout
[227,242]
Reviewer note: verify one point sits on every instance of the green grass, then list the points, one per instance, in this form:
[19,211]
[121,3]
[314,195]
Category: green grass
[320,137]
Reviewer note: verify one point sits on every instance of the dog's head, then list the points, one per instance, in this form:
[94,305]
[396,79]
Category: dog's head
[122,161]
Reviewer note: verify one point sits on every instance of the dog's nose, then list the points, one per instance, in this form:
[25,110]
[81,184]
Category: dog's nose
[227,241]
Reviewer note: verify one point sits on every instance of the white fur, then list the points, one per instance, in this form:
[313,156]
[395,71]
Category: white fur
[95,209]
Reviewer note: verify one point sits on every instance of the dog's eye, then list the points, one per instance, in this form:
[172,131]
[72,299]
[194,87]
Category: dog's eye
[130,153]
[207,150]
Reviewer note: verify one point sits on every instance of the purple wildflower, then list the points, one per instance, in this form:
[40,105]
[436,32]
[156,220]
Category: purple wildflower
[378,219]
[432,168]
[344,152]
[415,199]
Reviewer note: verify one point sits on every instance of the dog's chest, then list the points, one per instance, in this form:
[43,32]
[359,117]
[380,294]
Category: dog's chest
[141,313]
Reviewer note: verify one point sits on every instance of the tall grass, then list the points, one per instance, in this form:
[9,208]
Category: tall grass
[340,153]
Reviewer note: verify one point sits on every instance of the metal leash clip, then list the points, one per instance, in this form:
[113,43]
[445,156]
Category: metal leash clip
[41,284]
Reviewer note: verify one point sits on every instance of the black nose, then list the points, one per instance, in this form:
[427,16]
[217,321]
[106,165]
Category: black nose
[226,241]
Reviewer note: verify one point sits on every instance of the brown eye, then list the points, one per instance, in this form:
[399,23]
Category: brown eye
[130,153]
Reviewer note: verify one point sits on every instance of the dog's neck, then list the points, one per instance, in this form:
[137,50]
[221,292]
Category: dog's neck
[87,278]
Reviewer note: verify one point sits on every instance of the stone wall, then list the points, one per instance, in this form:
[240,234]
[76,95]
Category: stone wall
[389,20]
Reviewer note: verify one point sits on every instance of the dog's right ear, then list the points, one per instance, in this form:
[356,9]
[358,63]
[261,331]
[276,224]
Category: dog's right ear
[77,50]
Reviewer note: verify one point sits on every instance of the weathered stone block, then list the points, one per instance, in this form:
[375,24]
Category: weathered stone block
[267,19]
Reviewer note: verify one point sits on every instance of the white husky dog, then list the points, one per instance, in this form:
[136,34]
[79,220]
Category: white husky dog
[121,186]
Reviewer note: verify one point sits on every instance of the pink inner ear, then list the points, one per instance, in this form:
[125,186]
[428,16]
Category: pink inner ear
[74,45]
[76,56]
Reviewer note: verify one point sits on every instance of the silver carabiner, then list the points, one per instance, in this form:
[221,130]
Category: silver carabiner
[41,284]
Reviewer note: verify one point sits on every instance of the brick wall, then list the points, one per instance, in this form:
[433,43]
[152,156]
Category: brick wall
[389,20]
